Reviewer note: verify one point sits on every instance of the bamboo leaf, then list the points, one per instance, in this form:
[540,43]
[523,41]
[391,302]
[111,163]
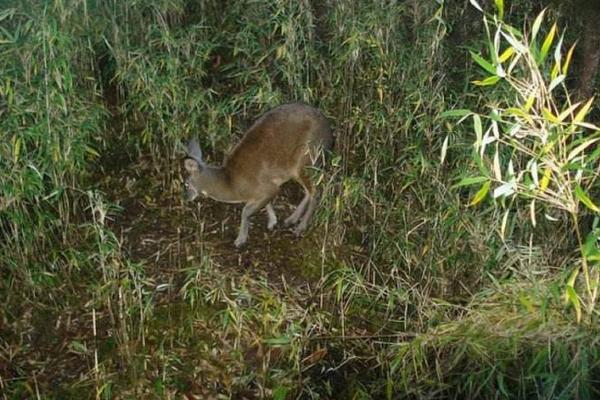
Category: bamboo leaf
[486,65]
[574,300]
[496,166]
[545,181]
[575,152]
[505,189]
[529,103]
[585,199]
[547,43]
[472,180]
[519,47]
[583,111]
[568,112]
[481,193]
[500,7]
[16,149]
[489,81]
[506,54]
[444,150]
[549,116]
[537,24]
[459,112]
[504,223]
[565,67]
[555,82]
[475,4]
[478,129]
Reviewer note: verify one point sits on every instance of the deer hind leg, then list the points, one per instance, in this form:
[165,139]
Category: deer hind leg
[306,185]
[306,207]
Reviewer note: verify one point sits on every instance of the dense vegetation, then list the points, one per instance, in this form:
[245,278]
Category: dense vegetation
[455,249]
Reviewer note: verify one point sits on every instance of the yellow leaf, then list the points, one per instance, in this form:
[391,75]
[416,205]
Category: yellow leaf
[481,193]
[16,148]
[545,179]
[529,103]
[565,67]
[547,42]
[492,80]
[549,116]
[583,112]
[506,54]
[568,111]
[555,71]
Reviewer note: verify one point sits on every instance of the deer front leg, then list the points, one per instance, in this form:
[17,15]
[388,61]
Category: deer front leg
[249,209]
[272,217]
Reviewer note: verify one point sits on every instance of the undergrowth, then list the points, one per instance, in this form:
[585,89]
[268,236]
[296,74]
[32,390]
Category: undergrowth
[410,284]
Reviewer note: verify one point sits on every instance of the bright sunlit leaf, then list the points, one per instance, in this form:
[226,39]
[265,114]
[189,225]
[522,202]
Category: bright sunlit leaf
[583,111]
[489,81]
[475,4]
[506,54]
[549,116]
[481,193]
[537,24]
[577,150]
[545,179]
[529,103]
[444,150]
[585,199]
[500,7]
[565,67]
[547,43]
[478,129]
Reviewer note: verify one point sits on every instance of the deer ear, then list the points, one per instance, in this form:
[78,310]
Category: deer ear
[193,151]
[191,165]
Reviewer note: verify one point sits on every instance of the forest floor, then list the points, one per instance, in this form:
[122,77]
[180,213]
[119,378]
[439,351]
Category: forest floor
[171,239]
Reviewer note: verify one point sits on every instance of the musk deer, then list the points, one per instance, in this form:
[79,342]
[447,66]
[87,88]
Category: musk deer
[278,147]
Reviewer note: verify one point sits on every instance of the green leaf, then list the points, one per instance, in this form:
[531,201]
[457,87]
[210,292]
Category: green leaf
[584,198]
[280,392]
[483,63]
[500,7]
[574,300]
[547,43]
[459,112]
[526,302]
[481,194]
[471,180]
[478,128]
[489,81]
[278,341]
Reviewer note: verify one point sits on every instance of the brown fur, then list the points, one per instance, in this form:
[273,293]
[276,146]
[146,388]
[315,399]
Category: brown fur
[277,147]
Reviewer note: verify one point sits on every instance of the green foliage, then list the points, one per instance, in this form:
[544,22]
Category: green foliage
[537,148]
[418,278]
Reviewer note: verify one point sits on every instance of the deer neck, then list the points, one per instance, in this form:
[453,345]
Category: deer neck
[217,185]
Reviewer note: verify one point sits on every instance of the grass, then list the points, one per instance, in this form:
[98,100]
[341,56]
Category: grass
[113,287]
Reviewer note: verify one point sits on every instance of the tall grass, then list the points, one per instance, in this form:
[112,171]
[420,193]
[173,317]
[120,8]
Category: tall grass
[406,286]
